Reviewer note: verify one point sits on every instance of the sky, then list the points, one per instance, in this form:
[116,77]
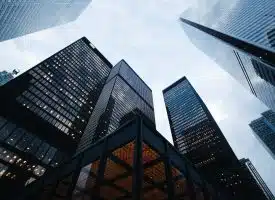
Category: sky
[148,35]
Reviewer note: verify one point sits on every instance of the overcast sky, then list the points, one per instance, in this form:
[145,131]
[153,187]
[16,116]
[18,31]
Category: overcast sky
[147,34]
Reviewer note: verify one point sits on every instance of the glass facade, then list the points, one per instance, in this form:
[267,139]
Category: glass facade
[129,75]
[22,17]
[135,162]
[246,163]
[249,20]
[123,93]
[264,130]
[7,76]
[45,110]
[240,34]
[197,136]
[64,87]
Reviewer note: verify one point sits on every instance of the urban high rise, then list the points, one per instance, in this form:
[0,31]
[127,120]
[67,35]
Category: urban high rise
[45,110]
[197,136]
[124,93]
[19,18]
[257,179]
[241,34]
[264,130]
[7,76]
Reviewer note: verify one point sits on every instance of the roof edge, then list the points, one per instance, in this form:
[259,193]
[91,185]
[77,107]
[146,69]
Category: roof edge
[174,84]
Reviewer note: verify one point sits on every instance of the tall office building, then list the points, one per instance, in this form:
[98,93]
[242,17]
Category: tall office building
[264,130]
[257,179]
[45,110]
[197,136]
[7,76]
[241,36]
[123,93]
[19,18]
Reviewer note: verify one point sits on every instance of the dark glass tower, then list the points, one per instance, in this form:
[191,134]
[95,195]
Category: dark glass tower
[264,130]
[241,36]
[256,178]
[197,136]
[19,18]
[124,92]
[45,110]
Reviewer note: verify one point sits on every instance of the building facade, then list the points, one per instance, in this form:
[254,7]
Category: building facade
[256,178]
[197,136]
[240,33]
[19,18]
[45,110]
[123,93]
[7,76]
[264,130]
[134,162]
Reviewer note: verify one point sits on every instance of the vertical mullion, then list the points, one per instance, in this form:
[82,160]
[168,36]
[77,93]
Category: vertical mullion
[101,170]
[168,174]
[190,185]
[137,165]
[75,176]
[205,192]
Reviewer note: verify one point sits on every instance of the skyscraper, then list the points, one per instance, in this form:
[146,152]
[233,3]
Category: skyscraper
[246,163]
[240,34]
[19,18]
[123,93]
[7,76]
[197,136]
[264,130]
[45,110]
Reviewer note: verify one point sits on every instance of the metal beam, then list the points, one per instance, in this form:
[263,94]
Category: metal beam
[168,174]
[101,170]
[138,165]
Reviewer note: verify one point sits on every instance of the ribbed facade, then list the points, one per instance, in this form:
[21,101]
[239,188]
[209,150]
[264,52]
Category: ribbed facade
[45,110]
[264,130]
[191,123]
[237,31]
[123,93]
[257,178]
[130,76]
[197,136]
[250,20]
[22,17]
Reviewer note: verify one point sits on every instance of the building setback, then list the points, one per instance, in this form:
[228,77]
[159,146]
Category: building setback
[123,93]
[264,130]
[256,178]
[45,110]
[241,36]
[197,136]
[22,17]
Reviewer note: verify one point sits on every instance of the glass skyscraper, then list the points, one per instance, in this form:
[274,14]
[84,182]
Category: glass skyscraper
[264,130]
[7,76]
[45,110]
[123,93]
[197,136]
[241,36]
[247,164]
[22,17]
